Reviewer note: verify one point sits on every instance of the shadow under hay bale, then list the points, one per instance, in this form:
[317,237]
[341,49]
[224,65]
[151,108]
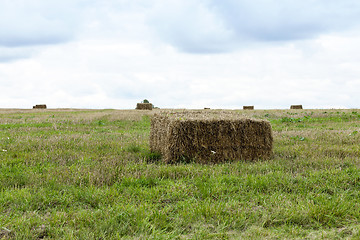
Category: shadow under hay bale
[144,106]
[296,107]
[248,107]
[40,106]
[210,137]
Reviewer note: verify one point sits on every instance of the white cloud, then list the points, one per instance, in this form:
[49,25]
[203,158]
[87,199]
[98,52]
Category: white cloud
[112,54]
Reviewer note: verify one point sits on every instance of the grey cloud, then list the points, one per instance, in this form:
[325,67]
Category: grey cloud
[266,20]
[13,54]
[39,22]
[213,26]
[29,23]
[189,26]
[17,40]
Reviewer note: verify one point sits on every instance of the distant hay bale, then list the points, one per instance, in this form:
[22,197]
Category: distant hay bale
[206,108]
[144,106]
[40,106]
[209,137]
[296,107]
[248,107]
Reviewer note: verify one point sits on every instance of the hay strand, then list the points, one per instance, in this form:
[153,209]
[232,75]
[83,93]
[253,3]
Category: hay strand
[296,107]
[40,106]
[144,106]
[210,137]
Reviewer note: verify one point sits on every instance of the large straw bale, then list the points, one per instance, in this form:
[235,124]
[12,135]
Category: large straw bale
[40,106]
[210,137]
[144,106]
[296,107]
[248,107]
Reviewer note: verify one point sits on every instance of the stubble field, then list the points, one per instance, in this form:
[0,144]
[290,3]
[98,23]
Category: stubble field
[89,174]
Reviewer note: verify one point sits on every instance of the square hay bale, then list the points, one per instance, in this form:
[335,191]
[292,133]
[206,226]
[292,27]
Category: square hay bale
[296,107]
[248,107]
[144,106]
[40,106]
[210,137]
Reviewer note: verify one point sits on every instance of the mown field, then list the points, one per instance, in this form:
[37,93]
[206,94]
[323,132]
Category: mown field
[89,174]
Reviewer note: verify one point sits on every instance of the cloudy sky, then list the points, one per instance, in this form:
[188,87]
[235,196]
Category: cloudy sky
[180,53]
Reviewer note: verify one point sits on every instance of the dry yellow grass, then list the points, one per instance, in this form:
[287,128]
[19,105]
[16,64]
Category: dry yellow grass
[98,162]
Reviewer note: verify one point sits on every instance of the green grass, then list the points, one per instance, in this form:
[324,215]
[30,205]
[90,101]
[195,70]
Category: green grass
[89,174]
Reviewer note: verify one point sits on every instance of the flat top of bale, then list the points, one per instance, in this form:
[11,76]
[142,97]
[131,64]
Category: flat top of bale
[205,116]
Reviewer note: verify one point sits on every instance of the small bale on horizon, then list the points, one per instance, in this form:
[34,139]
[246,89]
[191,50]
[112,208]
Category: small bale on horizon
[40,106]
[207,137]
[144,106]
[296,107]
[248,107]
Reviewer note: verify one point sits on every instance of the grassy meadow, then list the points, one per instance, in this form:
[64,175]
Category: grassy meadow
[89,174]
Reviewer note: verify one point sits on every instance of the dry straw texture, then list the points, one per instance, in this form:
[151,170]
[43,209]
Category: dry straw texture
[248,107]
[144,106]
[209,137]
[40,106]
[296,107]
